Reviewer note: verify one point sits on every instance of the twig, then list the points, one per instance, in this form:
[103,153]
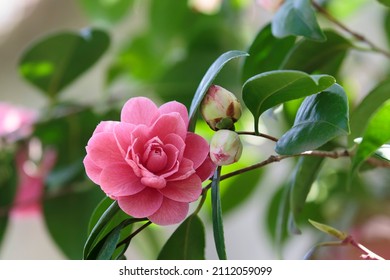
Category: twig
[269,137]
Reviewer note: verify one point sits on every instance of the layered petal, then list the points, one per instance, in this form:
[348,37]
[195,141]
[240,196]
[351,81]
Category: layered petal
[142,204]
[197,149]
[103,149]
[93,171]
[139,110]
[168,124]
[123,132]
[187,190]
[174,106]
[170,212]
[106,126]
[119,180]
[206,170]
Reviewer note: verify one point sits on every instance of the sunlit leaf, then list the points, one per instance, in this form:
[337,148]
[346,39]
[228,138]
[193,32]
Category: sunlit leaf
[385,2]
[67,216]
[187,242]
[318,57]
[320,118]
[266,53]
[376,134]
[106,11]
[269,89]
[54,62]
[208,78]
[298,18]
[216,208]
[361,115]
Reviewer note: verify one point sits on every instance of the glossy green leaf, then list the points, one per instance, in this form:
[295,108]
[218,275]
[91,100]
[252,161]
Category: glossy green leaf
[216,209]
[385,2]
[207,79]
[376,134]
[8,185]
[102,215]
[318,57]
[269,89]
[238,189]
[67,216]
[106,11]
[54,62]
[362,113]
[187,242]
[266,53]
[320,118]
[297,18]
[109,245]
[305,173]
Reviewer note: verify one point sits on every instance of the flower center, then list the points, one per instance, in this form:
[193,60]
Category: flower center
[155,158]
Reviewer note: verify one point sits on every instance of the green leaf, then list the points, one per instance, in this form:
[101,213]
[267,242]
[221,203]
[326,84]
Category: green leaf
[266,53]
[387,26]
[67,216]
[329,230]
[305,173]
[206,81]
[362,113]
[216,209]
[320,118]
[54,62]
[101,223]
[385,2]
[376,134]
[106,12]
[297,18]
[8,185]
[187,242]
[318,57]
[269,89]
[109,245]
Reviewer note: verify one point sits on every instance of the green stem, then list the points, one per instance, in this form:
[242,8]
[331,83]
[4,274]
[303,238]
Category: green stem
[127,240]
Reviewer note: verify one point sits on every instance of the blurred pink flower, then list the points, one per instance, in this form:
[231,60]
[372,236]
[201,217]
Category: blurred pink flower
[15,122]
[31,175]
[148,161]
[270,5]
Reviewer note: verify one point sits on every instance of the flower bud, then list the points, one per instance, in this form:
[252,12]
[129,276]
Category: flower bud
[220,108]
[225,147]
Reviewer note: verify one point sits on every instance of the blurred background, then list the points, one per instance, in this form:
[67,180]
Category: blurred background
[161,49]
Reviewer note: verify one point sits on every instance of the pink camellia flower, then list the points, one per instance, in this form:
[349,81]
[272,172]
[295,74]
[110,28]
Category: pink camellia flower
[148,161]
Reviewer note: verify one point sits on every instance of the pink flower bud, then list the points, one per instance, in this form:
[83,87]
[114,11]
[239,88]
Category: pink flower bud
[220,108]
[225,147]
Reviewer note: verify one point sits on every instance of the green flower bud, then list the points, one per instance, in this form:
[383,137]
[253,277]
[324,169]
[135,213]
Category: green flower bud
[225,147]
[220,108]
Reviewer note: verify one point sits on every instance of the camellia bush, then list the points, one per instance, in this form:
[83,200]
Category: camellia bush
[182,143]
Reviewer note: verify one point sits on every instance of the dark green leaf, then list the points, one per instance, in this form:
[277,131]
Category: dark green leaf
[318,57]
[216,209]
[304,175]
[67,216]
[376,134]
[266,53]
[385,2]
[108,247]
[269,89]
[298,18]
[362,113]
[320,118]
[207,79]
[187,242]
[238,189]
[56,61]
[8,185]
[106,12]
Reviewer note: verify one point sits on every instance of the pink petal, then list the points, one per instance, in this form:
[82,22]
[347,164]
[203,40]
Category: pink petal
[175,107]
[103,149]
[167,124]
[176,141]
[123,132]
[187,190]
[155,182]
[93,171]
[206,170]
[172,164]
[105,126]
[170,212]
[197,149]
[142,204]
[119,180]
[186,169]
[139,110]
